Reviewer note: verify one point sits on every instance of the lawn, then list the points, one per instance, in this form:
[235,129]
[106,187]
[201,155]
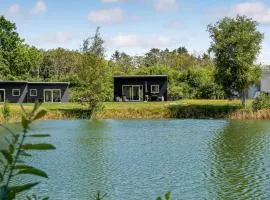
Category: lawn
[139,110]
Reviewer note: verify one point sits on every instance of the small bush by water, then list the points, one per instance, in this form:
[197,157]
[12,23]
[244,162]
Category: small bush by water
[262,102]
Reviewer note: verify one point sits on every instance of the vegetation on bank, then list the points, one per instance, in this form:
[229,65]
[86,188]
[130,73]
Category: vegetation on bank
[197,109]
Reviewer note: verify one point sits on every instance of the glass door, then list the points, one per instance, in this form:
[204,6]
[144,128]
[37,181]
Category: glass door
[53,95]
[127,92]
[136,93]
[48,96]
[2,95]
[132,92]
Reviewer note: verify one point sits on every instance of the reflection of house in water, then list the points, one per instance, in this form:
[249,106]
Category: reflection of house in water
[262,86]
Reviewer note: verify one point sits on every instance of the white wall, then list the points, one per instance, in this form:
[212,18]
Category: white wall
[265,82]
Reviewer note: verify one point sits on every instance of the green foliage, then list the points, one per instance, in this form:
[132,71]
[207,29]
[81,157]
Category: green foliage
[6,112]
[261,102]
[167,196]
[99,196]
[93,71]
[236,43]
[11,164]
[17,60]
[94,45]
[35,197]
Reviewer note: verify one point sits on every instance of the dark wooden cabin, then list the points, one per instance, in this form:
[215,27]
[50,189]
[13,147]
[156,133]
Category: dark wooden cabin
[29,92]
[141,88]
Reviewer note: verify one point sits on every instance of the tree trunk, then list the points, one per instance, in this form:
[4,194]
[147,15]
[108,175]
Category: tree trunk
[244,98]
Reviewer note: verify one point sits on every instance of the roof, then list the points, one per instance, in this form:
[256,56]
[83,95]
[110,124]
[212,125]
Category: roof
[142,76]
[26,82]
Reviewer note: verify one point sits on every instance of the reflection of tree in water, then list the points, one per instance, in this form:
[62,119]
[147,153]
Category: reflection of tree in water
[237,160]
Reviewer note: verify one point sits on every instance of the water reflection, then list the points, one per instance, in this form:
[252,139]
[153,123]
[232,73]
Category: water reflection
[237,168]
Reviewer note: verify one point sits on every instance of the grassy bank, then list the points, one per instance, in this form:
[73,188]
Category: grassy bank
[197,109]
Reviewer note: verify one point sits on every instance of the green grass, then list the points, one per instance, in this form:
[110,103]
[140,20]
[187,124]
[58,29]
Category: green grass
[134,110]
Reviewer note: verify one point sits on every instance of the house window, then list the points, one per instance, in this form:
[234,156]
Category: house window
[16,92]
[33,92]
[154,89]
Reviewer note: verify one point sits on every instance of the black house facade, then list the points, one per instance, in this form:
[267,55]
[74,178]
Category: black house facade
[29,92]
[141,88]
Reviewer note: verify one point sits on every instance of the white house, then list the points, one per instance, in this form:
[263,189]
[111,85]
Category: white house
[264,85]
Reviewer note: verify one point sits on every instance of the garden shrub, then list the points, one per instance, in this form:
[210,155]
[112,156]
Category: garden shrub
[261,102]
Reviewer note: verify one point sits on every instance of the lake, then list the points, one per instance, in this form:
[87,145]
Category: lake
[142,159]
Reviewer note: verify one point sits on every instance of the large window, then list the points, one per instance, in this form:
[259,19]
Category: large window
[33,92]
[154,89]
[16,92]
[52,95]
[132,92]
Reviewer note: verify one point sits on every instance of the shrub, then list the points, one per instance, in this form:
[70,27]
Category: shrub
[261,102]
[6,112]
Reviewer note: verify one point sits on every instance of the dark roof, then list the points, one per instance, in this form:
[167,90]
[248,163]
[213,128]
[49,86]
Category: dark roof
[26,82]
[142,76]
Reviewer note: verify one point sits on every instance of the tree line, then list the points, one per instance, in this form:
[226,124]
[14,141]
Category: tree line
[227,68]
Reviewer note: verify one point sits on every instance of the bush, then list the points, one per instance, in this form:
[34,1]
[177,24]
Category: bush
[261,102]
[6,112]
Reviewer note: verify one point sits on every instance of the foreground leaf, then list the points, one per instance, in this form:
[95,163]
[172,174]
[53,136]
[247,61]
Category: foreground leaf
[33,171]
[167,196]
[25,122]
[38,147]
[22,167]
[7,156]
[40,114]
[13,191]
[39,135]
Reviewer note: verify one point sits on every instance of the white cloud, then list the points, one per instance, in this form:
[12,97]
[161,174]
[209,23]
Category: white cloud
[256,10]
[57,38]
[13,10]
[106,16]
[134,40]
[161,5]
[39,7]
[125,40]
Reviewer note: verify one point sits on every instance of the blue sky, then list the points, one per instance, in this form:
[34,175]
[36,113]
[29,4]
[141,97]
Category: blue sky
[133,26]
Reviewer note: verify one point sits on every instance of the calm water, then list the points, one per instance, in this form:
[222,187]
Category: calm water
[130,160]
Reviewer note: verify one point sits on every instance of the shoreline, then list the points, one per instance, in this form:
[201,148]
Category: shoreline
[188,109]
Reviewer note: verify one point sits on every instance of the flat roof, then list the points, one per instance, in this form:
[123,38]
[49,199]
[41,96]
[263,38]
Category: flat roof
[141,76]
[35,82]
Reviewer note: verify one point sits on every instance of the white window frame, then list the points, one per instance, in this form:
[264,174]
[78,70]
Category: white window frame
[153,91]
[31,95]
[51,90]
[4,95]
[13,90]
[131,92]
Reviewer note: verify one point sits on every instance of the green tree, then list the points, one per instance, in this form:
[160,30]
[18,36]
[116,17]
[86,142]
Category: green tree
[95,82]
[94,45]
[236,43]
[17,60]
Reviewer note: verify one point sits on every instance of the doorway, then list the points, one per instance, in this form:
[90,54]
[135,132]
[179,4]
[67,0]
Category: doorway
[2,96]
[132,92]
[52,95]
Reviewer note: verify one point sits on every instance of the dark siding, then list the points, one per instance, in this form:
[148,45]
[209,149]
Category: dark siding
[25,91]
[8,92]
[146,82]
[40,91]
